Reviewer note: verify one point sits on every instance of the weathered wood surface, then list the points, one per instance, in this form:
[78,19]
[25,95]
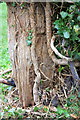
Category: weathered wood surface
[20,53]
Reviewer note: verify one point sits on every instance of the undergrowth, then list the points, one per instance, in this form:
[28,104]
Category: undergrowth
[4,55]
[72,105]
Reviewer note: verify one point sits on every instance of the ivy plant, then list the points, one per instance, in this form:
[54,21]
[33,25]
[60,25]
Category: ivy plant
[29,37]
[68,28]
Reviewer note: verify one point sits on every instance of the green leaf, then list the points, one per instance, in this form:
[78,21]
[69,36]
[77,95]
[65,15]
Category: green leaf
[70,15]
[65,105]
[60,69]
[10,114]
[46,109]
[30,34]
[47,89]
[66,113]
[66,34]
[14,4]
[16,113]
[22,5]
[60,110]
[69,103]
[76,28]
[56,22]
[63,14]
[29,37]
[36,109]
[56,26]
[78,18]
[6,109]
[28,42]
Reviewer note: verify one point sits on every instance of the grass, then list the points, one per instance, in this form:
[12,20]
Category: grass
[4,55]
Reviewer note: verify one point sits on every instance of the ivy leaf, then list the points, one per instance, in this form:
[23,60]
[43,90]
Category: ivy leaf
[78,18]
[45,109]
[22,5]
[57,27]
[66,34]
[56,22]
[76,28]
[70,15]
[63,14]
[29,42]
[36,109]
[60,69]
[29,37]
[30,34]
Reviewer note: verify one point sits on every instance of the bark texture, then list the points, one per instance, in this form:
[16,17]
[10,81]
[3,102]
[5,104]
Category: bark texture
[30,63]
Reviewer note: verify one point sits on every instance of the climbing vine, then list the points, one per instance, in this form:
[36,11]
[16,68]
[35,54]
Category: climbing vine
[29,37]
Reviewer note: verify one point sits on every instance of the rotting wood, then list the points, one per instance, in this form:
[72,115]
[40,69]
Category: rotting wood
[22,65]
[20,52]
